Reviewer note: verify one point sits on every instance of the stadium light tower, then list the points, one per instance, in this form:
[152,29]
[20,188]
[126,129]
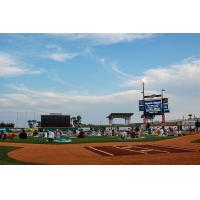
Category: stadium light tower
[190,116]
[144,114]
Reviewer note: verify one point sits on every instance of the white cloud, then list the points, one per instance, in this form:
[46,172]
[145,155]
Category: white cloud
[60,57]
[10,66]
[57,98]
[20,98]
[117,38]
[53,46]
[53,75]
[182,75]
[121,73]
[21,89]
[91,107]
[23,99]
[105,38]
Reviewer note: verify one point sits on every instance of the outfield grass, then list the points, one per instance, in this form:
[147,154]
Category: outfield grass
[90,139]
[33,140]
[196,141]
[118,139]
[5,160]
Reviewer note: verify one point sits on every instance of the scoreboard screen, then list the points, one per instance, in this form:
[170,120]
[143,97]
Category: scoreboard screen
[55,121]
[153,107]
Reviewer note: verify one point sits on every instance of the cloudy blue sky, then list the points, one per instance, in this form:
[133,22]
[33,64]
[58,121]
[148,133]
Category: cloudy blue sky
[93,75]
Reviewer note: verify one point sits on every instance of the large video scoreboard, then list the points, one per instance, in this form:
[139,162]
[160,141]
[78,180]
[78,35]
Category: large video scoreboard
[56,121]
[154,106]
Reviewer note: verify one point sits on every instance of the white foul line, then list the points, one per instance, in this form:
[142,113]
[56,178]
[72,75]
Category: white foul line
[179,148]
[130,150]
[110,154]
[143,149]
[150,149]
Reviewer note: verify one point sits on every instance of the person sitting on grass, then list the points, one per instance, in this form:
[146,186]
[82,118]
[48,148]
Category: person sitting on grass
[161,132]
[113,132]
[57,134]
[124,134]
[4,135]
[51,136]
[157,131]
[23,134]
[35,133]
[137,131]
[1,134]
[46,132]
[102,133]
[81,134]
[40,133]
[179,133]
[128,133]
[74,132]
[132,133]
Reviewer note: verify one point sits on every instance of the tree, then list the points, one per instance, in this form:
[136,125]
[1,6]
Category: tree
[76,121]
[32,123]
[79,120]
[190,116]
[38,124]
[73,121]
[6,125]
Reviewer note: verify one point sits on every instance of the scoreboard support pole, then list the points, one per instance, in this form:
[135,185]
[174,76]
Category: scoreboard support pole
[163,111]
[163,120]
[145,119]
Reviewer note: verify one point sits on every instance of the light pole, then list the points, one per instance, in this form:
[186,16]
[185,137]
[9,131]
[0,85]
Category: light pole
[190,117]
[144,113]
[17,119]
[163,110]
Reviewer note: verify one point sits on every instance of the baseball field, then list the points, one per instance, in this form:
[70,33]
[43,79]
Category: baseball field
[168,151]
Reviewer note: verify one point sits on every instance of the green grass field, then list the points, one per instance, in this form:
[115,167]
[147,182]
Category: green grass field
[196,141]
[90,139]
[5,160]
